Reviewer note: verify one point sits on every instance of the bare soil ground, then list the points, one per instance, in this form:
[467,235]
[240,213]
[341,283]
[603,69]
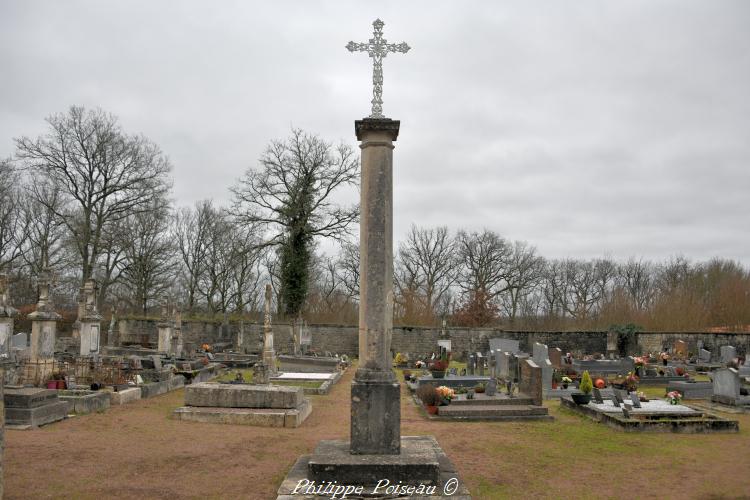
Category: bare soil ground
[137,451]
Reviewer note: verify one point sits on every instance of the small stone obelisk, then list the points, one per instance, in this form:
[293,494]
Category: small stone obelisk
[376,402]
[269,355]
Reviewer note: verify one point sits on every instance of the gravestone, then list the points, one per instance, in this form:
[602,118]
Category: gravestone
[612,349]
[728,353]
[680,349]
[555,357]
[626,408]
[20,340]
[502,361]
[471,364]
[505,345]
[541,358]
[445,344]
[164,328]
[530,381]
[726,385]
[615,401]
[480,363]
[620,395]
[635,399]
[491,388]
[704,356]
[89,320]
[597,396]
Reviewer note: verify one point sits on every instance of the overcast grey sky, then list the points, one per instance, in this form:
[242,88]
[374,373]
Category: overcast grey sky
[585,128]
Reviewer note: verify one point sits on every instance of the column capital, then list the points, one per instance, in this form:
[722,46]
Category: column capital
[377,125]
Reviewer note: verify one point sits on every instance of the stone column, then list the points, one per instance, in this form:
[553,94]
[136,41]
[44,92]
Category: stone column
[164,326]
[89,320]
[111,332]
[375,406]
[175,341]
[269,355]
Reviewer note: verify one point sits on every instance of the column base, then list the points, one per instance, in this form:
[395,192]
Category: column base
[376,414]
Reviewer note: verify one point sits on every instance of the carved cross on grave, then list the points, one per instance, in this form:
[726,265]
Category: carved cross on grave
[377,48]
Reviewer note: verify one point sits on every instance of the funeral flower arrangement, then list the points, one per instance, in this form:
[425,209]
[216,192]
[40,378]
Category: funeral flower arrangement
[674,397]
[445,392]
[640,361]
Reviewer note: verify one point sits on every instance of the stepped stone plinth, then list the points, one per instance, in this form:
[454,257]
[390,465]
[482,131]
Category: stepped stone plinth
[245,404]
[31,407]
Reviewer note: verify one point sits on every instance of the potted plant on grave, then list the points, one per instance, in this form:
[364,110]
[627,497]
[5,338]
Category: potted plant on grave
[640,365]
[586,386]
[479,388]
[565,381]
[407,375]
[400,360]
[438,367]
[446,394]
[556,378]
[674,397]
[429,397]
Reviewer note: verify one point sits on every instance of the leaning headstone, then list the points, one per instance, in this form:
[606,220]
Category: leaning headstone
[615,401]
[635,399]
[704,356]
[726,385]
[626,408]
[598,396]
[728,353]
[619,394]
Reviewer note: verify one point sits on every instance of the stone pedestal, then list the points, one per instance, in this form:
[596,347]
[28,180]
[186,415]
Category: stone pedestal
[43,336]
[375,416]
[165,337]
[90,337]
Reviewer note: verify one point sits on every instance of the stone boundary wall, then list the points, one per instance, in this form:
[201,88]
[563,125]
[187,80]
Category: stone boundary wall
[420,340]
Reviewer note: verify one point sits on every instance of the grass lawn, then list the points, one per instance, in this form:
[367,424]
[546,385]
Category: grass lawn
[138,451]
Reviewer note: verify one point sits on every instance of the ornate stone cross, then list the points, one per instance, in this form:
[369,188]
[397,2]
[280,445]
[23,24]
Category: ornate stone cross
[377,48]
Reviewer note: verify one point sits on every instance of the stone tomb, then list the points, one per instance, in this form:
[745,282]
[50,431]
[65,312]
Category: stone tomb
[245,404]
[28,407]
[308,364]
[652,416]
[692,390]
[726,385]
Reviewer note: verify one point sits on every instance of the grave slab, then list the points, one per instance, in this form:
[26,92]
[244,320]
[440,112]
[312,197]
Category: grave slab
[261,417]
[208,394]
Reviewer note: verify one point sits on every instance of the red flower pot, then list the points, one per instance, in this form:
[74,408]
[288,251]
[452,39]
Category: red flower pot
[432,410]
[52,384]
[61,384]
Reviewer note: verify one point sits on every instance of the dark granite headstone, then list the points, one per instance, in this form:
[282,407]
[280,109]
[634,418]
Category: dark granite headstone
[598,396]
[635,399]
[615,401]
[491,388]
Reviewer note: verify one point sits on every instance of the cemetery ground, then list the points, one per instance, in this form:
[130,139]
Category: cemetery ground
[137,451]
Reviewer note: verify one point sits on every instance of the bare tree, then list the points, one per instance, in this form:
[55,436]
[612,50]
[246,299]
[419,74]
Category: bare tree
[148,266]
[525,271]
[290,197]
[103,174]
[583,292]
[431,252]
[637,278]
[12,227]
[45,248]
[191,229]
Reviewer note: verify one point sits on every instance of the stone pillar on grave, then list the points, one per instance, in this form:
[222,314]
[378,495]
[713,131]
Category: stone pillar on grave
[165,327]
[175,341]
[43,331]
[375,405]
[111,333]
[81,311]
[7,313]
[269,355]
[89,320]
